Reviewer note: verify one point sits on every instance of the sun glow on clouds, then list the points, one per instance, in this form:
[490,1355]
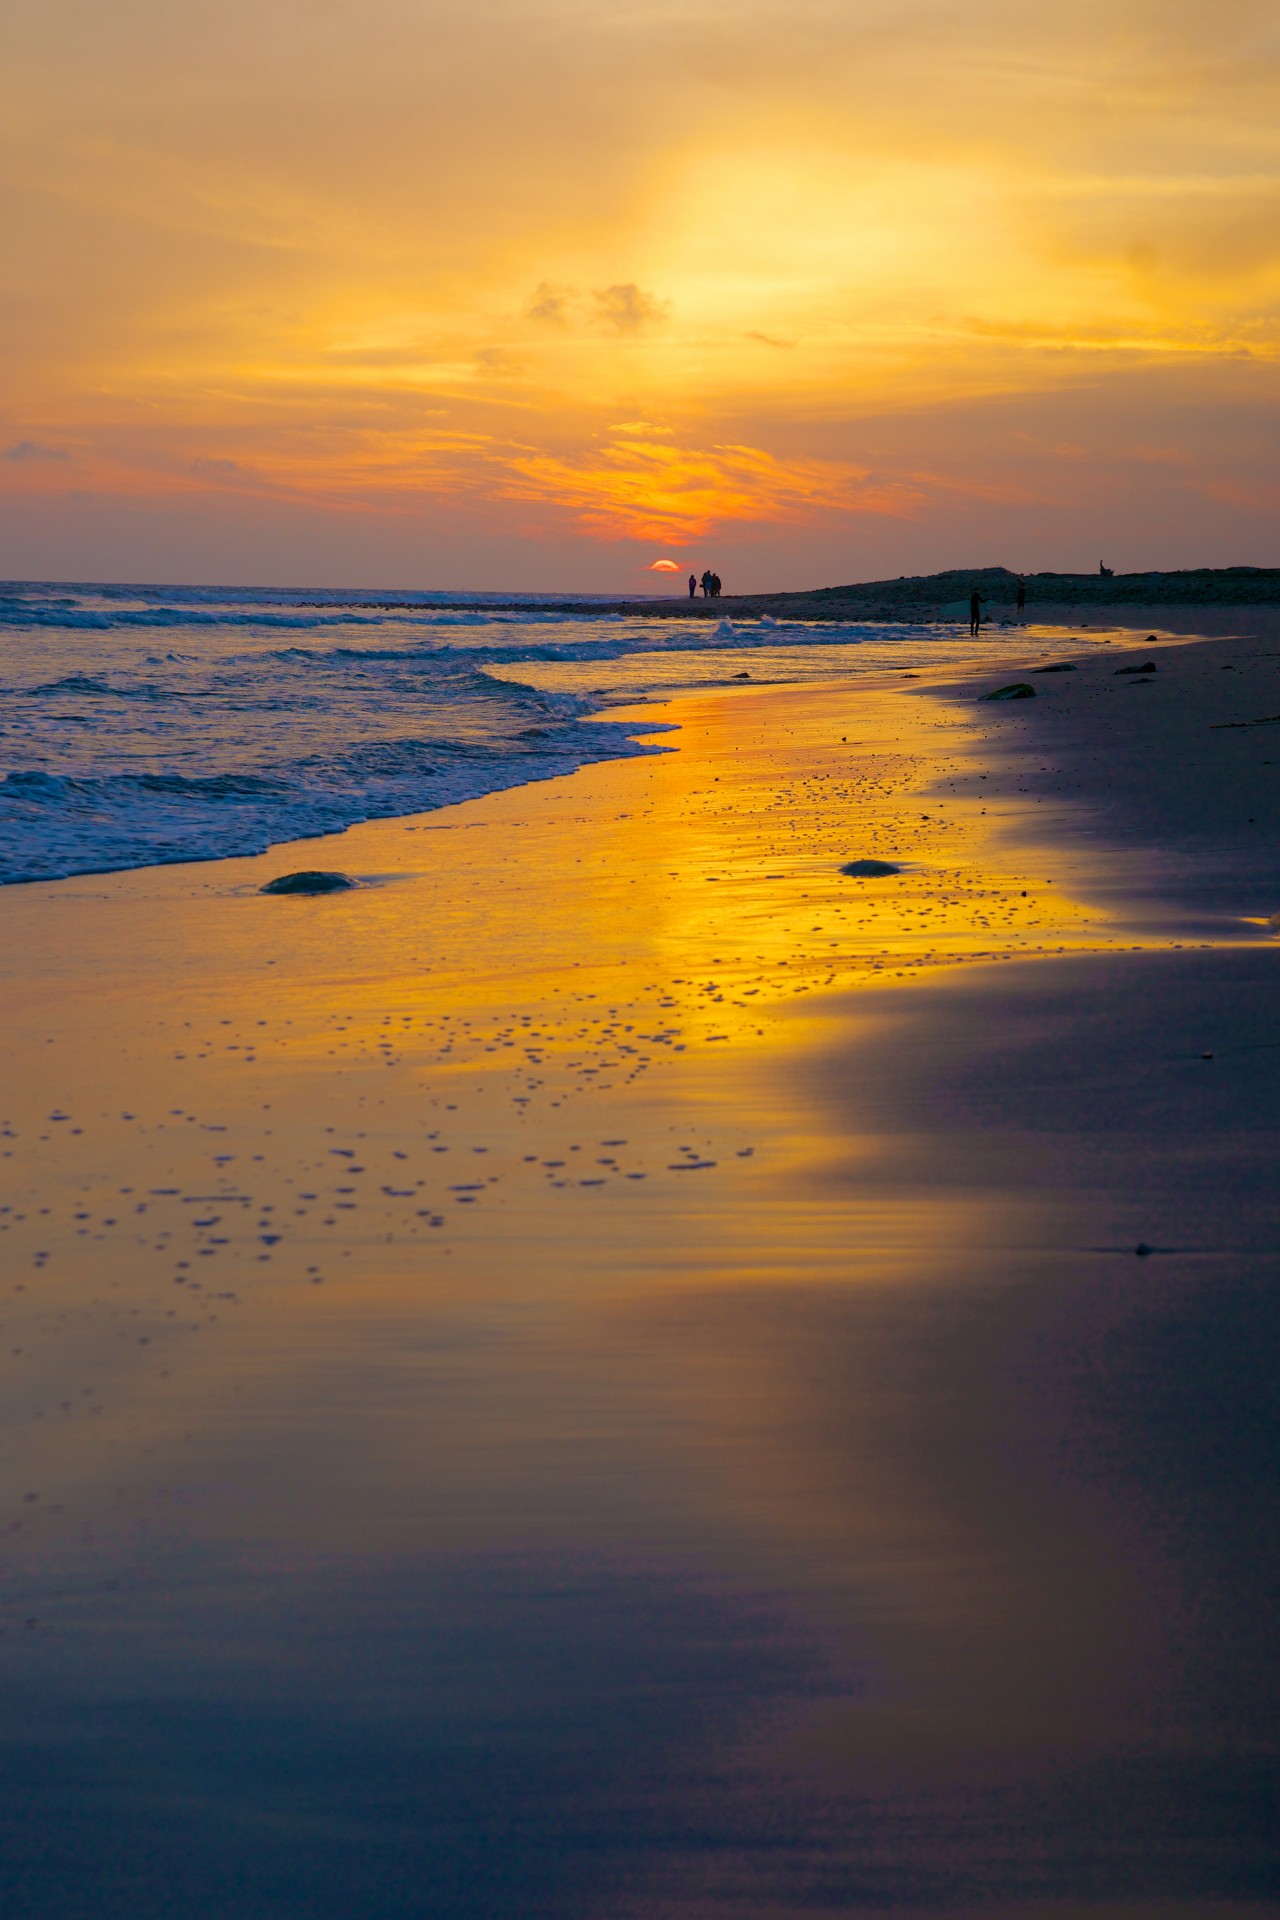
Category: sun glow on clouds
[858,303]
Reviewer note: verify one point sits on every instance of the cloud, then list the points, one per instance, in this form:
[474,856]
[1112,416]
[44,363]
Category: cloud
[216,468]
[551,304]
[33,450]
[645,490]
[623,307]
[215,276]
[627,308]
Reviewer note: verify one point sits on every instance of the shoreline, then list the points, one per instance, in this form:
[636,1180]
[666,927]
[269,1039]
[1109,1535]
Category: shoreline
[608,716]
[625,1328]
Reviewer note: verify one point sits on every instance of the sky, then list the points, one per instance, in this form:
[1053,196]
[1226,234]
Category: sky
[539,293]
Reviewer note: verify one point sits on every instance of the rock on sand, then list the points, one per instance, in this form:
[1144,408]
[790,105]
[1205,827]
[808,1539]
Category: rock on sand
[310,881]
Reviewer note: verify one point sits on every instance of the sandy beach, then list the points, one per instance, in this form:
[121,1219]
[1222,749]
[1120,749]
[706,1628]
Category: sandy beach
[617,1370]
[639,936]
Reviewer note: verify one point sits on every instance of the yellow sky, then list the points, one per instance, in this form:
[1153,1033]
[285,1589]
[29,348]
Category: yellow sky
[533,293]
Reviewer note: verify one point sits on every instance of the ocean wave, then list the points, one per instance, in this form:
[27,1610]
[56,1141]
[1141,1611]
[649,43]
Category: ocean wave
[56,825]
[723,638]
[88,683]
[21,614]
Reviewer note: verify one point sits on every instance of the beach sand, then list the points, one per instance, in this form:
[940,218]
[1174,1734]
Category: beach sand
[608,1371]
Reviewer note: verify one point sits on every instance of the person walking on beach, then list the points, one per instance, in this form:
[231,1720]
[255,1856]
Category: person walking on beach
[1022,595]
[975,612]
[693,586]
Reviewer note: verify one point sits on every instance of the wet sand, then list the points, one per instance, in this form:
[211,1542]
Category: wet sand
[607,1373]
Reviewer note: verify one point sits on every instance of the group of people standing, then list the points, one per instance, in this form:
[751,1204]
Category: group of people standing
[710,584]
[976,599]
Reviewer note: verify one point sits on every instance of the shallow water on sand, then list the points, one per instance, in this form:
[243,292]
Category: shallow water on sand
[516,1405]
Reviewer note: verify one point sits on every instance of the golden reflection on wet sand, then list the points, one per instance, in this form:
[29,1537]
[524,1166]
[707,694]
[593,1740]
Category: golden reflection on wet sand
[617,955]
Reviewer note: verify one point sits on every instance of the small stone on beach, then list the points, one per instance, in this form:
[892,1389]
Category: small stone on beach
[1148,666]
[870,869]
[310,881]
[1016,690]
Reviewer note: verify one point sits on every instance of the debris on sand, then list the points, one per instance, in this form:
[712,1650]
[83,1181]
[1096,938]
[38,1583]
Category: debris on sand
[1016,690]
[870,869]
[1148,666]
[310,881]
[1059,666]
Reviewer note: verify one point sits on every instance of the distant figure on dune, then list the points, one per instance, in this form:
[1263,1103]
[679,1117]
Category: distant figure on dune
[693,586]
[975,611]
[1022,595]
[1104,573]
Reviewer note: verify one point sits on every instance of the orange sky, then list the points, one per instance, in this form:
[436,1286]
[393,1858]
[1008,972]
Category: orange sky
[537,292]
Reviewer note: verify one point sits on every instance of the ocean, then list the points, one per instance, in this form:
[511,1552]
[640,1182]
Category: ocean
[143,725]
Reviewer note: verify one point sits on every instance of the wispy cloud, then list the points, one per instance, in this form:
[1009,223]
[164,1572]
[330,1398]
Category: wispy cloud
[35,450]
[219,469]
[655,491]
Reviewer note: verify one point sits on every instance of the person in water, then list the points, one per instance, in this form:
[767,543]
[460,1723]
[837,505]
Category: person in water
[975,611]
[693,586]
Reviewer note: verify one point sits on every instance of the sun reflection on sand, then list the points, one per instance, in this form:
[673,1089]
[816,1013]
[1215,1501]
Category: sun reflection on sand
[559,998]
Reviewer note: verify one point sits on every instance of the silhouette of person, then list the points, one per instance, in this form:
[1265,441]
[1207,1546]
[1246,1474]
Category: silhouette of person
[693,586]
[1022,595]
[975,611]
[715,586]
[706,584]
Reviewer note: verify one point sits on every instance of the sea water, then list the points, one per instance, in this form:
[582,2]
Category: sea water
[143,725]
